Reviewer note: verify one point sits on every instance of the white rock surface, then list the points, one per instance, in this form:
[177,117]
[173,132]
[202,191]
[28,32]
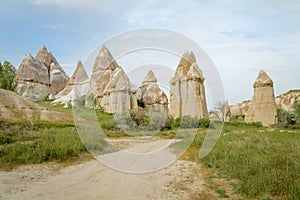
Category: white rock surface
[110,85]
[187,95]
[32,79]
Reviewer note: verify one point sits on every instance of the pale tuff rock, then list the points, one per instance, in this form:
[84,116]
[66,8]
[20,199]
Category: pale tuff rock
[284,101]
[239,109]
[187,95]
[287,100]
[110,85]
[40,77]
[227,112]
[77,78]
[77,86]
[154,98]
[14,107]
[32,79]
[262,106]
[58,77]
[103,71]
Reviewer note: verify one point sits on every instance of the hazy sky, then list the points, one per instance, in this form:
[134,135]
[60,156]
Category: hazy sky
[240,37]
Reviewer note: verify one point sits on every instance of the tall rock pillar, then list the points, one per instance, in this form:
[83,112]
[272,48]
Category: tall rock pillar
[262,106]
[187,95]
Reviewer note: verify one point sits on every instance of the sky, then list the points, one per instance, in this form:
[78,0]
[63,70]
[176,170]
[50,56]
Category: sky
[240,37]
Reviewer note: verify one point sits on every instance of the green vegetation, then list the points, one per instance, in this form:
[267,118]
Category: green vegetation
[265,162]
[289,119]
[27,142]
[141,103]
[7,76]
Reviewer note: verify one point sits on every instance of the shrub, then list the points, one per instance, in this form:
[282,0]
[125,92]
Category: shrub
[141,103]
[191,122]
[169,124]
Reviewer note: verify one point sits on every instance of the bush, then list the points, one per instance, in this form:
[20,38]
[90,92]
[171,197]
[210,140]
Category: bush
[141,103]
[281,116]
[204,123]
[169,124]
[191,122]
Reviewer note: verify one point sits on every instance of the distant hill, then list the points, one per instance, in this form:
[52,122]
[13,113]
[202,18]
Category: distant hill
[15,107]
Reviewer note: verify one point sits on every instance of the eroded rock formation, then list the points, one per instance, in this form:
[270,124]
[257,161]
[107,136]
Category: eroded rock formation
[262,106]
[40,76]
[154,98]
[239,109]
[57,76]
[32,79]
[187,93]
[110,85]
[77,86]
[287,100]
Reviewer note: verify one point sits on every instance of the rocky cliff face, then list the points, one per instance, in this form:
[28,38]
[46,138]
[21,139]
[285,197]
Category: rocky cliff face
[40,76]
[262,106]
[239,109]
[286,101]
[187,95]
[32,79]
[110,85]
[154,98]
[57,76]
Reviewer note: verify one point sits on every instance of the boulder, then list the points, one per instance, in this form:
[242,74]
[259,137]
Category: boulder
[32,79]
[262,106]
[187,92]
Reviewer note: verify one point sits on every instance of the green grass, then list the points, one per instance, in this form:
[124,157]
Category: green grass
[28,142]
[266,162]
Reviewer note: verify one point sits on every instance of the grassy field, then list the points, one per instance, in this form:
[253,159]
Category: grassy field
[28,142]
[264,162]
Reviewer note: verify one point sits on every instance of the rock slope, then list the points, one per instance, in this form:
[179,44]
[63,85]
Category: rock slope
[15,107]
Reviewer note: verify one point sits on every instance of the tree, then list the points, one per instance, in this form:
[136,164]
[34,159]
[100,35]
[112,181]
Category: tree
[222,111]
[7,76]
[281,116]
[297,111]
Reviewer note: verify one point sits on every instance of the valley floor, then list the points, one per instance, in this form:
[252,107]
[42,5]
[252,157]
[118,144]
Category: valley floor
[93,180]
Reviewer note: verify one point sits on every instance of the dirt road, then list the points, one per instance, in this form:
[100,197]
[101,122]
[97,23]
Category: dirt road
[93,180]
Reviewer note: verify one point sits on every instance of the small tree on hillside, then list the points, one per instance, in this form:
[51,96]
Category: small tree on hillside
[222,111]
[297,111]
[7,76]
